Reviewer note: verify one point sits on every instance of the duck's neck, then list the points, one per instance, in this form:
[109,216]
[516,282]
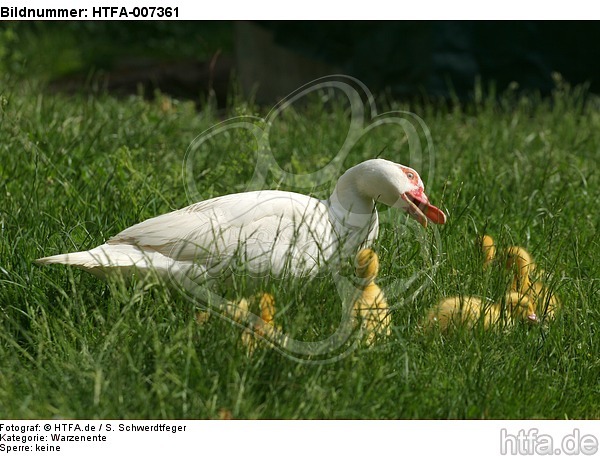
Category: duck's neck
[350,206]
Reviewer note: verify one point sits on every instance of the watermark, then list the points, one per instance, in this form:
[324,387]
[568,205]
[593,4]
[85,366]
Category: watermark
[533,442]
[224,250]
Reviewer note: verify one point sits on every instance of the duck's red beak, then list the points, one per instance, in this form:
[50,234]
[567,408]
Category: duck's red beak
[421,209]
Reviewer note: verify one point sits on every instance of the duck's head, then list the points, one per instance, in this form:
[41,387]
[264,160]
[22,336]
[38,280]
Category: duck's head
[521,306]
[366,264]
[398,186]
[416,201]
[521,263]
[488,248]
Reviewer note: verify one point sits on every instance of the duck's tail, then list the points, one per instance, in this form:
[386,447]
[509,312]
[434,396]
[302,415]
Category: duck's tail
[111,257]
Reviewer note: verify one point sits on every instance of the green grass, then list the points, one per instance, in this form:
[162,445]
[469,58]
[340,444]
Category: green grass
[75,171]
[52,50]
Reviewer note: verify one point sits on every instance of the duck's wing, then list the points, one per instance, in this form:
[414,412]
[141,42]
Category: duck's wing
[266,230]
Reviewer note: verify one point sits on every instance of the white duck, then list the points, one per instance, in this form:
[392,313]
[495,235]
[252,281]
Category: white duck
[266,232]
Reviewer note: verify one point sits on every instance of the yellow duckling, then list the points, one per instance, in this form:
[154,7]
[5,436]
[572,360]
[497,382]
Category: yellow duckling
[371,306]
[264,327]
[489,250]
[527,280]
[458,311]
[525,298]
[239,311]
[468,310]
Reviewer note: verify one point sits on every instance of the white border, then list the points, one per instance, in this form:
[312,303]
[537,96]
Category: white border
[260,438]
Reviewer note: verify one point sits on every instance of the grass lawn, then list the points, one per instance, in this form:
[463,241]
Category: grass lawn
[75,171]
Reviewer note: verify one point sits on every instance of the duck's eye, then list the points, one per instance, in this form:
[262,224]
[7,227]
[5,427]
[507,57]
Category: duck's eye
[411,176]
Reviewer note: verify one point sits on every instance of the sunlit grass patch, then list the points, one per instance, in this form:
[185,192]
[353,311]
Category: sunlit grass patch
[75,171]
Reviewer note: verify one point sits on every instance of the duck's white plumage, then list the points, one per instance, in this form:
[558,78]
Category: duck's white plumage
[266,231]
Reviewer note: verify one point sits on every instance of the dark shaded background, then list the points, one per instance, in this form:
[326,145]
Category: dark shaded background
[269,59]
[437,58]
